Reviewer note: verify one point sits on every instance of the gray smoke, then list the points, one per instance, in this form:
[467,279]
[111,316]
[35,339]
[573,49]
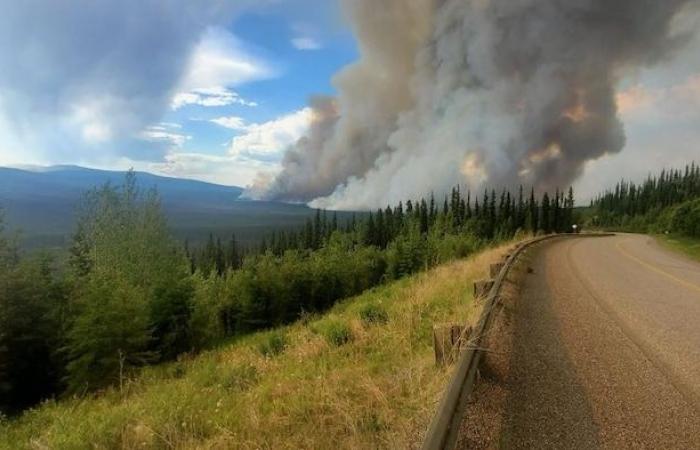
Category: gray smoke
[501,92]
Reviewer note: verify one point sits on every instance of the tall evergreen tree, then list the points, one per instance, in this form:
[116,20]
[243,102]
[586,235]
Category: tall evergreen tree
[545,220]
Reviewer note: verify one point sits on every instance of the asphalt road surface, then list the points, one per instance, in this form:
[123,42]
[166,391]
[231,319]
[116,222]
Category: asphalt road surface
[604,351]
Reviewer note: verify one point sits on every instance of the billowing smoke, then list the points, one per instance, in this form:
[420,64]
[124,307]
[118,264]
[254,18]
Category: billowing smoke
[496,92]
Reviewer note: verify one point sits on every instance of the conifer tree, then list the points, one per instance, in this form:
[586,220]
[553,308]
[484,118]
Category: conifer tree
[545,220]
[234,257]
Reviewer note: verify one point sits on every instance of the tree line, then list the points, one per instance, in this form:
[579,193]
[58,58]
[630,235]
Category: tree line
[130,295]
[668,201]
[495,216]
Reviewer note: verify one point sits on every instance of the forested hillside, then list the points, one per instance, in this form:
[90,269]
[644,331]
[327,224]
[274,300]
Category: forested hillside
[667,202]
[41,203]
[131,295]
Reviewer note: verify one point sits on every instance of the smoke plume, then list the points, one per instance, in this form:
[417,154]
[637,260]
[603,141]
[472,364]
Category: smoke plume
[496,92]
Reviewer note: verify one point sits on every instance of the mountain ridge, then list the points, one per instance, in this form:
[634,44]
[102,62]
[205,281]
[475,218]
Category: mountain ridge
[42,203]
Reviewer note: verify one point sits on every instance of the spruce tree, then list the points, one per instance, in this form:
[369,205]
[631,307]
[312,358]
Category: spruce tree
[545,220]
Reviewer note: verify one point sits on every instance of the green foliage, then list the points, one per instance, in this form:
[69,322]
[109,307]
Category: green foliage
[272,343]
[684,244]
[130,290]
[205,322]
[32,305]
[110,335]
[132,295]
[337,332]
[169,310]
[685,219]
[374,314]
[664,203]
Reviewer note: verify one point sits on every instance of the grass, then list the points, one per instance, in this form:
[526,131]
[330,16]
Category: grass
[273,343]
[373,313]
[361,376]
[687,245]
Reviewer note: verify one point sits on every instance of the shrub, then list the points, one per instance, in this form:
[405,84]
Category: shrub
[686,219]
[373,313]
[273,344]
[336,332]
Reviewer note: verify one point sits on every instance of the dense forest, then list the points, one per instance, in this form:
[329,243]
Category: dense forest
[131,295]
[667,202]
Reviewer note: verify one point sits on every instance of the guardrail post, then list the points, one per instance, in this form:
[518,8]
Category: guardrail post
[482,288]
[448,340]
[495,269]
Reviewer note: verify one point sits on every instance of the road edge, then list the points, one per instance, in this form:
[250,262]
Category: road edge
[445,426]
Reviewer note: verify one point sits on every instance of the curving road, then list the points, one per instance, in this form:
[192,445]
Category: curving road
[604,350]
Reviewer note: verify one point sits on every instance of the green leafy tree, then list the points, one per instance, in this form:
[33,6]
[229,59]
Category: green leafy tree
[110,335]
[133,302]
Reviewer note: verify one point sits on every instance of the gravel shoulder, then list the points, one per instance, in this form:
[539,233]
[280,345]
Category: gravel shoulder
[579,356]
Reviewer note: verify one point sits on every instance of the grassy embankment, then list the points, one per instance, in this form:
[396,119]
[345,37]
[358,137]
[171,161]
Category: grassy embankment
[361,376]
[687,245]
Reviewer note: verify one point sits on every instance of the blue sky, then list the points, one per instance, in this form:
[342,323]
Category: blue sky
[298,52]
[230,102]
[295,75]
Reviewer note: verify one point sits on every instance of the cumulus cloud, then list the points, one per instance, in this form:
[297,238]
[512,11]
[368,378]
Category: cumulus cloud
[269,140]
[221,60]
[214,96]
[233,122]
[219,63]
[221,169]
[165,133]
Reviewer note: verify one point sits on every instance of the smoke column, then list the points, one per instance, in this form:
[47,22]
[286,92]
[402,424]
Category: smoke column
[496,92]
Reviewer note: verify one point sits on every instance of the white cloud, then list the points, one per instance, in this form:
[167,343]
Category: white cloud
[213,96]
[271,139]
[306,43]
[164,134]
[220,169]
[70,92]
[233,122]
[88,118]
[222,60]
[305,36]
[219,63]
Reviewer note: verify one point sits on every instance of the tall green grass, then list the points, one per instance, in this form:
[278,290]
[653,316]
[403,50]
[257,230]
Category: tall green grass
[683,244]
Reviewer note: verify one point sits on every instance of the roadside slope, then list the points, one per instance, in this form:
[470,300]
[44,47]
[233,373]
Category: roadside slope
[686,245]
[379,390]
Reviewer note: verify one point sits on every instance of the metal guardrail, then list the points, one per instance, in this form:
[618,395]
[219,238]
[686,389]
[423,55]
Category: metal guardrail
[444,428]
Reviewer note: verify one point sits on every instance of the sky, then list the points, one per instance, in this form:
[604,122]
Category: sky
[214,92]
[217,90]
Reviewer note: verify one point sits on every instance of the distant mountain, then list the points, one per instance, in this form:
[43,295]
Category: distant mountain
[41,202]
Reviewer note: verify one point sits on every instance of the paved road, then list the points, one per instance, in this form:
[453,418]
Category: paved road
[605,349]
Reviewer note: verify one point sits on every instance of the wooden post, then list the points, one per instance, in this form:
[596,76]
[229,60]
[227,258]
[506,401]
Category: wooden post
[482,288]
[448,340]
[495,269]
